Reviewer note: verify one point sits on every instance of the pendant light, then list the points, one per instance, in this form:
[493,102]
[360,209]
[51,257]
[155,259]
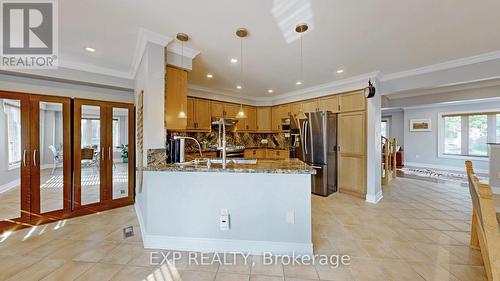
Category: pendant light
[183,37]
[301,28]
[241,33]
[241,114]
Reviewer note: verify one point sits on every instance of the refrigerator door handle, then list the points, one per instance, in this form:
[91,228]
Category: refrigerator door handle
[306,125]
[317,167]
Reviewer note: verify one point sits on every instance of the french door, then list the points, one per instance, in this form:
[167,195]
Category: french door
[35,158]
[50,151]
[15,161]
[103,162]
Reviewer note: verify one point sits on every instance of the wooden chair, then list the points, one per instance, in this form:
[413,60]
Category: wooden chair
[485,233]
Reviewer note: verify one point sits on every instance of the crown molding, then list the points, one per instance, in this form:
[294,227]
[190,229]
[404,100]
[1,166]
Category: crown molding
[145,37]
[176,48]
[442,66]
[338,86]
[334,87]
[208,93]
[72,64]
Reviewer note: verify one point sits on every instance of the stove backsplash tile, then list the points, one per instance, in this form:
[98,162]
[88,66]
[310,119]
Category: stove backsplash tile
[249,140]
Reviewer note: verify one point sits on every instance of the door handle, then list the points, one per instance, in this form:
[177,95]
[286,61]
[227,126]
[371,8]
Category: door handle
[24,158]
[317,167]
[109,153]
[34,158]
[102,154]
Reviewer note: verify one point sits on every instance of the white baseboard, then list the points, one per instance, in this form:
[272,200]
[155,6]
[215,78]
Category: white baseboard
[443,167]
[374,199]
[8,186]
[208,245]
[219,245]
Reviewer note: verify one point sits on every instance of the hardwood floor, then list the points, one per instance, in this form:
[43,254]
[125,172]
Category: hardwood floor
[419,231]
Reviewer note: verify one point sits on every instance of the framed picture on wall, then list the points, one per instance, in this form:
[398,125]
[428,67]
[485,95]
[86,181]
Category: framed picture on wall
[420,125]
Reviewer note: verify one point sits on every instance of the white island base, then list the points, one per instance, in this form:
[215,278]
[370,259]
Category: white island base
[269,212]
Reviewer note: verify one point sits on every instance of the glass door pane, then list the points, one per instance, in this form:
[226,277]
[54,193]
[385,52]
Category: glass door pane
[11,159]
[51,160]
[120,154]
[90,154]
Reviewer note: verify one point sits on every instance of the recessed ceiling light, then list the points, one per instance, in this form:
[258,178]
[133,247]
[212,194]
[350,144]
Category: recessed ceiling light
[233,60]
[239,87]
[298,83]
[340,71]
[210,76]
[270,91]
[89,49]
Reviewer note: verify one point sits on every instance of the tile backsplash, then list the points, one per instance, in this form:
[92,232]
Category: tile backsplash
[249,140]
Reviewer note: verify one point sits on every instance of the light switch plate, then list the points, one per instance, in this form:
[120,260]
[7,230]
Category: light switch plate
[498,175]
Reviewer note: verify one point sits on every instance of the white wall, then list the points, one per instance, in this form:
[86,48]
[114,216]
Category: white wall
[396,126]
[422,147]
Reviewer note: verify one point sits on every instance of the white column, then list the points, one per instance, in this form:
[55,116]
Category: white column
[150,78]
[374,150]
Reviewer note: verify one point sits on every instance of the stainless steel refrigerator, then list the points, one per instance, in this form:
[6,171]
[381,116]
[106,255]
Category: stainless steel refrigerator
[319,149]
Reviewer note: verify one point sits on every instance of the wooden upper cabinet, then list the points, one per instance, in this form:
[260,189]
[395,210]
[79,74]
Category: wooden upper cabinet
[352,133]
[264,119]
[191,112]
[217,109]
[353,101]
[203,115]
[231,110]
[279,113]
[329,104]
[251,120]
[310,106]
[175,98]
[294,109]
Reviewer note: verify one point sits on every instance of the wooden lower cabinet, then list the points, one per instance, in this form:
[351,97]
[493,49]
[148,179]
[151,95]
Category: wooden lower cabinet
[267,153]
[351,175]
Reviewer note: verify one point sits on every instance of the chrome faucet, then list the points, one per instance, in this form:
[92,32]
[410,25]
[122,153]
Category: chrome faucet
[221,143]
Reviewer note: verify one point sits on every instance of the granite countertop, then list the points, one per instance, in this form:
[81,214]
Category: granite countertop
[264,166]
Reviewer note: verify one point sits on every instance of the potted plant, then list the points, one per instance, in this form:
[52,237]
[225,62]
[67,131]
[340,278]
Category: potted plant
[124,150]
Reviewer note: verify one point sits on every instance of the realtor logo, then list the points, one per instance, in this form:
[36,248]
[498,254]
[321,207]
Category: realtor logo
[29,34]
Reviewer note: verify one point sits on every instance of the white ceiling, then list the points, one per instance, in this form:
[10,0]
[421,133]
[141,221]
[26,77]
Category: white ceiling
[358,36]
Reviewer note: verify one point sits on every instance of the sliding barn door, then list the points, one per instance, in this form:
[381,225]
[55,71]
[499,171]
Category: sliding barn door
[15,159]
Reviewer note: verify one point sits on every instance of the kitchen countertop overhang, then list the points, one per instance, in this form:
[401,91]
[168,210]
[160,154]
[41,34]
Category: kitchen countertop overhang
[264,166]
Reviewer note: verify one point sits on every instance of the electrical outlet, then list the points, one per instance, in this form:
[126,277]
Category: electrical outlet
[417,156]
[290,217]
[224,220]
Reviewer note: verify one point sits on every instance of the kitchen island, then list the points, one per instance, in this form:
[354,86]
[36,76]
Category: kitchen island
[268,206]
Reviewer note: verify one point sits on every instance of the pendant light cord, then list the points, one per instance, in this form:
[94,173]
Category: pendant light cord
[241,60]
[301,60]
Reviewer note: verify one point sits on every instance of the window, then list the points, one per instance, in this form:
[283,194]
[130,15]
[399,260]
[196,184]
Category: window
[453,135]
[469,134]
[116,133]
[91,132]
[384,128]
[13,133]
[478,130]
[498,128]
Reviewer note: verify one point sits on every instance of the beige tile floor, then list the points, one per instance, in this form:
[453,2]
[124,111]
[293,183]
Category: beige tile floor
[419,231]
[51,190]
